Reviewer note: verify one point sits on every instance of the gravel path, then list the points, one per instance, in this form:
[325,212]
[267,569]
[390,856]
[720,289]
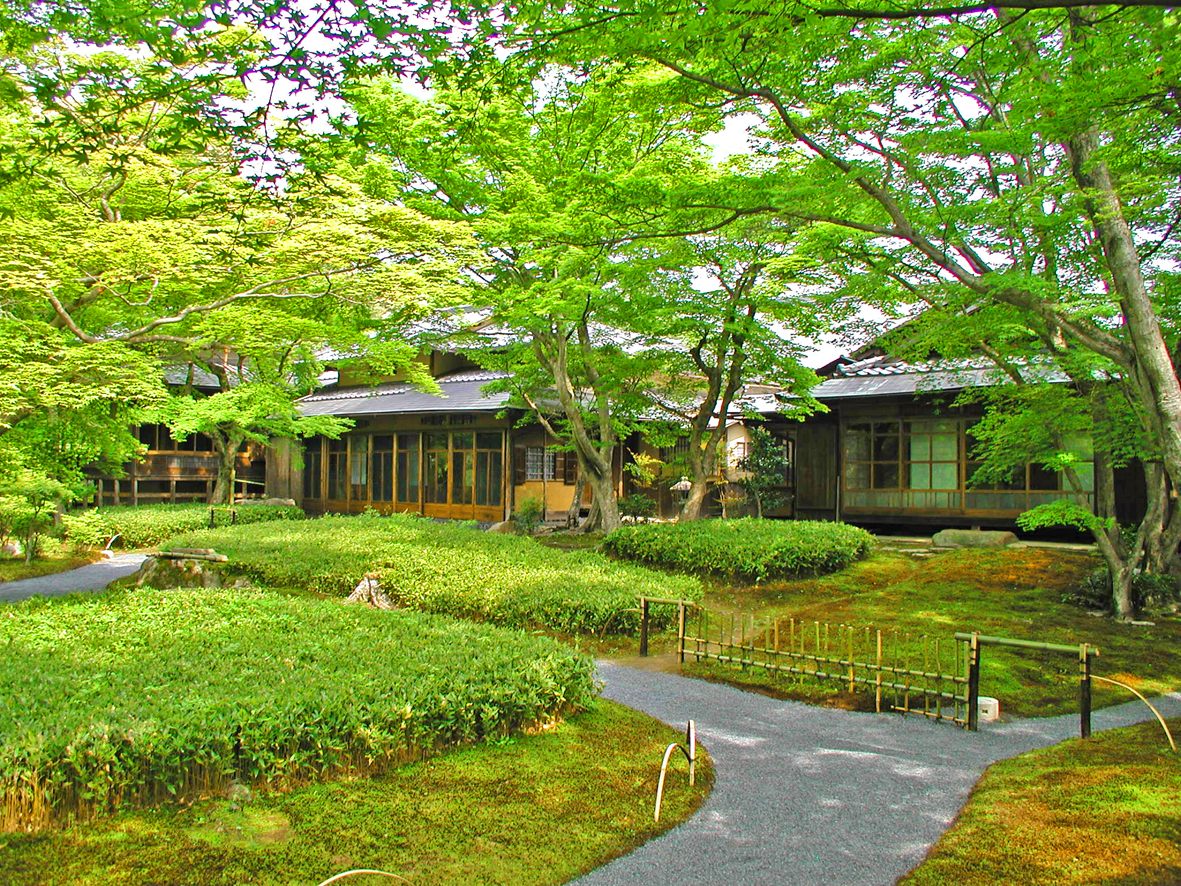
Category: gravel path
[808,795]
[94,577]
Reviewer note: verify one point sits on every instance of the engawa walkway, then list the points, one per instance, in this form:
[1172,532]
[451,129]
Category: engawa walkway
[807,795]
[94,577]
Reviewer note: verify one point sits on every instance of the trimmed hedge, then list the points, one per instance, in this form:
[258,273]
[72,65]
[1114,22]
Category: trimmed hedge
[451,569]
[144,696]
[146,525]
[749,549]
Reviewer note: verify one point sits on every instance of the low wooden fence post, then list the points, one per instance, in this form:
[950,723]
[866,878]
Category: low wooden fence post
[643,626]
[681,631]
[974,683]
[1084,690]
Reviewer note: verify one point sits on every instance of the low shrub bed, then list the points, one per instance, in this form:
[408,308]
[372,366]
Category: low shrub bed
[139,697]
[450,569]
[146,525]
[749,549]
[534,810]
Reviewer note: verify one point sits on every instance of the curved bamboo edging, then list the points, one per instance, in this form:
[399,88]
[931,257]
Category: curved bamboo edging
[359,872]
[690,755]
[1160,719]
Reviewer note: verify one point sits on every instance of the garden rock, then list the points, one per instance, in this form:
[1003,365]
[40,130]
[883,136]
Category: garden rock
[504,527]
[369,592]
[273,502]
[165,571]
[973,538]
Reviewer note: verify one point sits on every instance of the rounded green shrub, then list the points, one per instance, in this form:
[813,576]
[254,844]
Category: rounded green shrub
[444,567]
[145,525]
[749,549]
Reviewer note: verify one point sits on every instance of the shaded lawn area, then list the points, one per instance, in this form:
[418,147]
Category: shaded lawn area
[1014,592]
[537,809]
[1105,810]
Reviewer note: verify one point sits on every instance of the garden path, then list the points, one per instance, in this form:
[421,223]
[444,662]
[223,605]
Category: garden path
[808,795]
[94,577]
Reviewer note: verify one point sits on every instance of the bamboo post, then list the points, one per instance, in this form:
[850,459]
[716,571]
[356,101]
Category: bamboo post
[974,683]
[1084,690]
[938,683]
[926,670]
[643,627]
[681,631]
[852,674]
[877,694]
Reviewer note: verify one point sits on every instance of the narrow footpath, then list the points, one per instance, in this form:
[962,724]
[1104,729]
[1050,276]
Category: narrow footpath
[94,577]
[807,795]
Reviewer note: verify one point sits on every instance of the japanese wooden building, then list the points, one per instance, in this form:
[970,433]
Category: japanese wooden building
[457,454]
[895,449]
[179,471]
[892,449]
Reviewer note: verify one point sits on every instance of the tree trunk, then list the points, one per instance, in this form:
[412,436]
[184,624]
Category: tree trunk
[694,506]
[603,489]
[701,469]
[226,447]
[576,502]
[594,519]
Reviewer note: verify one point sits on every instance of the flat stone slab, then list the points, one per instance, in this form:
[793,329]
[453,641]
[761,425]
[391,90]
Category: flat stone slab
[973,538]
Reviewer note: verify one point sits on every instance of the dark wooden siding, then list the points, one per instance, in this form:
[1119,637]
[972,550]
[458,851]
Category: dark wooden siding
[816,469]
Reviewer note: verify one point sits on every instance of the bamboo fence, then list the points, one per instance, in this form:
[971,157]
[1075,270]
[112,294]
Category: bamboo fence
[907,672]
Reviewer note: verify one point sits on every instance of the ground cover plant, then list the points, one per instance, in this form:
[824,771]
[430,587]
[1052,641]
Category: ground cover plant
[139,697]
[146,525]
[452,569]
[1014,592]
[1105,810]
[536,809]
[749,549]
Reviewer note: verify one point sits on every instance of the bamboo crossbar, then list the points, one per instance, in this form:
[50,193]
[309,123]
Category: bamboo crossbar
[984,639]
[842,678]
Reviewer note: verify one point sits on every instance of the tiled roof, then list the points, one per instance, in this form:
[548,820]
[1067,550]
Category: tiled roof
[885,376]
[460,392]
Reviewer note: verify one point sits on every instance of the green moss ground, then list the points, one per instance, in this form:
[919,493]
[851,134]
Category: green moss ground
[1106,810]
[538,809]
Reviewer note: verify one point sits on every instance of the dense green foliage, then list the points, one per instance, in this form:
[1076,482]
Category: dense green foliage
[456,570]
[142,696]
[748,549]
[482,814]
[138,527]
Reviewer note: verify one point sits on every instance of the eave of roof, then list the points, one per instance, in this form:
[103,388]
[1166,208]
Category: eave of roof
[884,377]
[460,392]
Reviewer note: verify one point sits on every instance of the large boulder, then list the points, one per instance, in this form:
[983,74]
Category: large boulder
[176,570]
[973,538]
